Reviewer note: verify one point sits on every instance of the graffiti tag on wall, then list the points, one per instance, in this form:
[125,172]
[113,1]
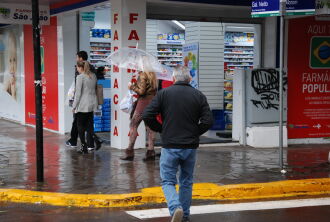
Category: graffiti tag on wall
[265,83]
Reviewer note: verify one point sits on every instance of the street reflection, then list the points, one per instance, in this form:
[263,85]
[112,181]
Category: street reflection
[103,172]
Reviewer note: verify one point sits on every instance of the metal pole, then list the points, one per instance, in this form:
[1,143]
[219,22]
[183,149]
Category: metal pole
[282,10]
[78,30]
[244,107]
[38,91]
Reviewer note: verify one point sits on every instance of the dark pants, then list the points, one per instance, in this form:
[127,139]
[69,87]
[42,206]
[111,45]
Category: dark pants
[85,124]
[74,131]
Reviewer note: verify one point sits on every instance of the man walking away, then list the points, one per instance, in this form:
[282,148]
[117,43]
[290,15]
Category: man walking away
[72,142]
[186,115]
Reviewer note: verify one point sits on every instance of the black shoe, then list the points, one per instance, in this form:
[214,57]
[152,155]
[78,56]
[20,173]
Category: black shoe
[98,144]
[185,219]
[68,143]
[83,149]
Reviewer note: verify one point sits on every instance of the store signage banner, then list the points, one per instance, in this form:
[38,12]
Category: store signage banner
[88,16]
[190,59]
[22,14]
[322,7]
[308,78]
[49,68]
[300,7]
[266,8]
[10,74]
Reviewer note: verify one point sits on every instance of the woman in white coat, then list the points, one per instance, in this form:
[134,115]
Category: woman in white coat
[84,105]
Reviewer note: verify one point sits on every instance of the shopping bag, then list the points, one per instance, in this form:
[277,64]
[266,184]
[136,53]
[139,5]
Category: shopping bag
[126,104]
[70,95]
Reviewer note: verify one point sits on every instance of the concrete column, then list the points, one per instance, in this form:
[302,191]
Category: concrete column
[128,24]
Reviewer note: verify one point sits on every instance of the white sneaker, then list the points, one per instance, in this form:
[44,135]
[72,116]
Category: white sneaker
[68,143]
[178,215]
[90,149]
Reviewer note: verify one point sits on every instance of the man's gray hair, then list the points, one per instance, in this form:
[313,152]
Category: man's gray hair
[181,74]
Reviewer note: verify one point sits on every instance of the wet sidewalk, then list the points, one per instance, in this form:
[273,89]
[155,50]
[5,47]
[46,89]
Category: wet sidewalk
[103,172]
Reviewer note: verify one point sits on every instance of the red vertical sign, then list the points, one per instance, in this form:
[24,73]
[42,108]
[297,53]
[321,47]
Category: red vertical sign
[308,78]
[49,70]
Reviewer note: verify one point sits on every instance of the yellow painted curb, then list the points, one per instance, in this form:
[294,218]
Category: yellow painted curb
[201,191]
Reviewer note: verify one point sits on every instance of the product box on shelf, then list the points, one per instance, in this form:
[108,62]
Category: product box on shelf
[102,121]
[219,120]
[228,95]
[228,85]
[101,33]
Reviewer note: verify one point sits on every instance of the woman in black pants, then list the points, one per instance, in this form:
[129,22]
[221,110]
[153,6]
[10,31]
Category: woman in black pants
[85,103]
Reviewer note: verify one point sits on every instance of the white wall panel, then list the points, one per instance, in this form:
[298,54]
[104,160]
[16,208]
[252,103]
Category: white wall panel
[151,33]
[211,44]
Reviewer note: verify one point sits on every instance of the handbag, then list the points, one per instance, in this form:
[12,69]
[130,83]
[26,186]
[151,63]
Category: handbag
[70,95]
[126,104]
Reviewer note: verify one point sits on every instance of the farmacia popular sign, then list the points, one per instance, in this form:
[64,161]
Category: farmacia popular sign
[308,78]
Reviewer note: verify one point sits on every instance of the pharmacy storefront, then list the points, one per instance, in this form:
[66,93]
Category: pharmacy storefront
[214,40]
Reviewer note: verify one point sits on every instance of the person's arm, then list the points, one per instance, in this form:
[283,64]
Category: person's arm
[140,85]
[150,113]
[78,92]
[206,119]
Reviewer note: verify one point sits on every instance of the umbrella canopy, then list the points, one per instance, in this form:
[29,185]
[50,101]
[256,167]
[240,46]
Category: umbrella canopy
[166,73]
[137,59]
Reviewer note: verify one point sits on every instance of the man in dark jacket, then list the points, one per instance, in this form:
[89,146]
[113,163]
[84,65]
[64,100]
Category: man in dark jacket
[72,142]
[186,115]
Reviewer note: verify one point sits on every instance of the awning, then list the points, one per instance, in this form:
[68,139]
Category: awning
[58,6]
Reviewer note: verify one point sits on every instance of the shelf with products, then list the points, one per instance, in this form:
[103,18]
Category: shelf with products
[169,54]
[100,49]
[169,48]
[243,48]
[238,54]
[169,60]
[241,65]
[228,103]
[170,51]
[239,61]
[238,57]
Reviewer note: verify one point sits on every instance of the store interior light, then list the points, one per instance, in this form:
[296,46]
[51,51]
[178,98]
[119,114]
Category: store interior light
[179,24]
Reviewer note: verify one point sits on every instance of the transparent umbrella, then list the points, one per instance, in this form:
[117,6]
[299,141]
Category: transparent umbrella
[166,73]
[137,59]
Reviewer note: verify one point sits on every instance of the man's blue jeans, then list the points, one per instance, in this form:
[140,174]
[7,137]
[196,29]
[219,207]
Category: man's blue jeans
[170,161]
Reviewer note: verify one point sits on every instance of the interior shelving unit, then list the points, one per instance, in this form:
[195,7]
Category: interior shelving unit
[100,49]
[238,54]
[169,52]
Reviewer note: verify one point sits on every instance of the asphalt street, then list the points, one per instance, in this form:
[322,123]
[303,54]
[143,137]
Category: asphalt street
[38,213]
